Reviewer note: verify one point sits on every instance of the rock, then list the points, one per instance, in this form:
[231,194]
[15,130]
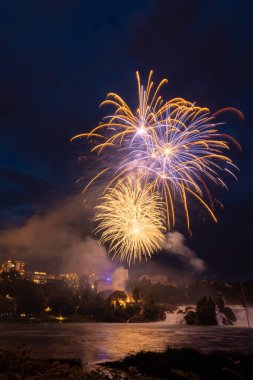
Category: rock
[180,311]
[135,319]
[191,318]
[220,303]
[229,314]
[226,321]
[152,313]
[188,308]
[206,313]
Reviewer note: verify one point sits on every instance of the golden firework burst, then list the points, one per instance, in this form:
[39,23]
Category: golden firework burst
[131,220]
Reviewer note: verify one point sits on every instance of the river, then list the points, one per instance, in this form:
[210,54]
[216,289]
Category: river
[95,342]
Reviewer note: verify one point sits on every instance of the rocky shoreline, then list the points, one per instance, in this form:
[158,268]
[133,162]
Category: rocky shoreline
[172,364]
[187,363]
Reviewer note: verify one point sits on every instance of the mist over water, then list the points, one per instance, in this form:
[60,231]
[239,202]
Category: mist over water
[242,317]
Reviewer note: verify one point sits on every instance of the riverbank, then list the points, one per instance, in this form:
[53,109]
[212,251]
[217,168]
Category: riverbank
[172,364]
[63,319]
[187,363]
[18,364]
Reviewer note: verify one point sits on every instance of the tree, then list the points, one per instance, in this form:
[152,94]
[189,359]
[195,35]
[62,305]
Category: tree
[136,294]
[6,305]
[151,311]
[12,275]
[61,304]
[31,300]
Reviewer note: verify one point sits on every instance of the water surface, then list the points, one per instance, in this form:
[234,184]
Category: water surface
[93,342]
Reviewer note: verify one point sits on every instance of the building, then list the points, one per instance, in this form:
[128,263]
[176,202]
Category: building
[118,299]
[157,279]
[104,284]
[92,281]
[52,278]
[71,279]
[87,281]
[8,266]
[39,277]
[19,266]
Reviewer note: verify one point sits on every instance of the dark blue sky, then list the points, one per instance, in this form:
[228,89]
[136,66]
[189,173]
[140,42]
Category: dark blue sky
[60,58]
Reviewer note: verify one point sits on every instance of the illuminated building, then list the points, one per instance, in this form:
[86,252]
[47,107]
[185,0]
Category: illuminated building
[104,284]
[39,277]
[88,281]
[19,266]
[130,299]
[8,266]
[71,279]
[92,281]
[120,299]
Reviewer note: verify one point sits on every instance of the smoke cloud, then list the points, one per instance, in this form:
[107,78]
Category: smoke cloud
[119,278]
[58,240]
[175,244]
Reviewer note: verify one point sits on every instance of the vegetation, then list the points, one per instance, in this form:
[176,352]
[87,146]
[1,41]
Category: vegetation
[18,364]
[190,292]
[172,364]
[186,363]
[136,294]
[22,299]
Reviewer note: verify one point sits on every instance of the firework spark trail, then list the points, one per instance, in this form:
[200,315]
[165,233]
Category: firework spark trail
[180,154]
[131,219]
[174,146]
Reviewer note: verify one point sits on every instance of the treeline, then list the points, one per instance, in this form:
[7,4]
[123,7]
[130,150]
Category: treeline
[20,298]
[191,292]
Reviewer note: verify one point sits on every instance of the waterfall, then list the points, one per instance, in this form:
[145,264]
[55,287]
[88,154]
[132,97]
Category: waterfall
[177,317]
[241,319]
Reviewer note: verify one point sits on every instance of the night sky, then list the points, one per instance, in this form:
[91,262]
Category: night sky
[59,59]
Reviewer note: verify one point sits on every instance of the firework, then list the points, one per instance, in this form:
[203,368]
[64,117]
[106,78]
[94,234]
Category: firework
[175,146]
[125,123]
[130,219]
[181,153]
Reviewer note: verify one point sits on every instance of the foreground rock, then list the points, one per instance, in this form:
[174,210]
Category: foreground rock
[186,363]
[19,365]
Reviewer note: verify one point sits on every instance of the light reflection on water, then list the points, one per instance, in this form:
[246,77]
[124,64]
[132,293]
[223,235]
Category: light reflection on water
[93,342]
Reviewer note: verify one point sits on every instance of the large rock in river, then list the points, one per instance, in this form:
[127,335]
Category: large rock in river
[206,312]
[191,318]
